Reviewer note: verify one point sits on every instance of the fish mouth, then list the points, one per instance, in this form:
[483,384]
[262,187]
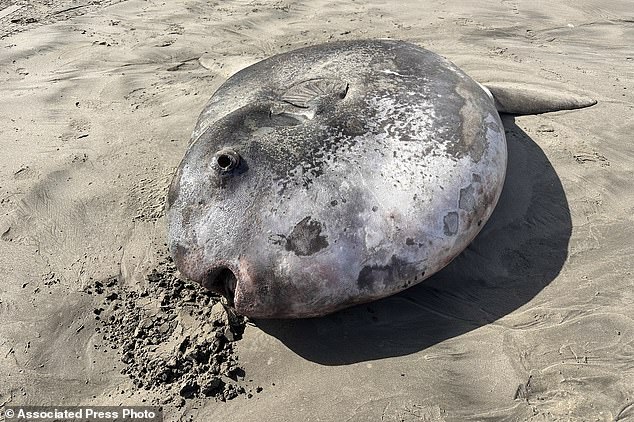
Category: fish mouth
[222,280]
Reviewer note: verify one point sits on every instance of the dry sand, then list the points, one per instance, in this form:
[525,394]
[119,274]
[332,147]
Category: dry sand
[534,321]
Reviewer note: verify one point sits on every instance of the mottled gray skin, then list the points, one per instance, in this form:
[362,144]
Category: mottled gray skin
[334,175]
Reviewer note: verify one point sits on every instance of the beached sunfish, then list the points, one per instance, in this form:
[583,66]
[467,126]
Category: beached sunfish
[338,174]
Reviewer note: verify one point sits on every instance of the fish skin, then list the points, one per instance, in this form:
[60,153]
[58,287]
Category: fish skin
[381,168]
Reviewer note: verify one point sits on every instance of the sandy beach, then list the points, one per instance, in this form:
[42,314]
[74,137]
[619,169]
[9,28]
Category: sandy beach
[534,321]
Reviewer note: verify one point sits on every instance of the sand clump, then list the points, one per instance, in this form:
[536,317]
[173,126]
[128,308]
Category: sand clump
[175,338]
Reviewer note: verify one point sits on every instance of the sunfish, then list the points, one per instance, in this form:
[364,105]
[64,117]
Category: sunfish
[338,174]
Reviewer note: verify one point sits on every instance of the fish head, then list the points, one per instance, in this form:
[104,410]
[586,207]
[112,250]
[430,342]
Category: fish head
[245,219]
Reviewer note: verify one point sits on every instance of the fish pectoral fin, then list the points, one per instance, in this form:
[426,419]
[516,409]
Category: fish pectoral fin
[306,93]
[523,99]
[284,110]
[306,99]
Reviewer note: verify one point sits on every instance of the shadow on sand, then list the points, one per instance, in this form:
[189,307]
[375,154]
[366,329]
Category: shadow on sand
[520,251]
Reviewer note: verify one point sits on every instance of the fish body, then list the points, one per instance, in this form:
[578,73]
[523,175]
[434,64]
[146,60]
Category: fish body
[334,175]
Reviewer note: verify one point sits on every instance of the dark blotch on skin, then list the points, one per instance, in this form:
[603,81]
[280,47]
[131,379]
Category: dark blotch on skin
[467,198]
[306,238]
[395,269]
[409,241]
[366,279]
[354,127]
[451,223]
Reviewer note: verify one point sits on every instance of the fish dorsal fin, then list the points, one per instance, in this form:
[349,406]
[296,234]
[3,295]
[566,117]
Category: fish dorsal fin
[304,93]
[522,99]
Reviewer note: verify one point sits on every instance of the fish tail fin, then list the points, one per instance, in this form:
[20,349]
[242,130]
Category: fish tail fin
[521,99]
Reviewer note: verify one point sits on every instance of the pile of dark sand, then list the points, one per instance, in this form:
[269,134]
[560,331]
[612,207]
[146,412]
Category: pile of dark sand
[175,338]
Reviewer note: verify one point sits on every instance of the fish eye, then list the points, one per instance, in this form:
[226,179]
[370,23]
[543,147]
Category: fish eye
[226,160]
